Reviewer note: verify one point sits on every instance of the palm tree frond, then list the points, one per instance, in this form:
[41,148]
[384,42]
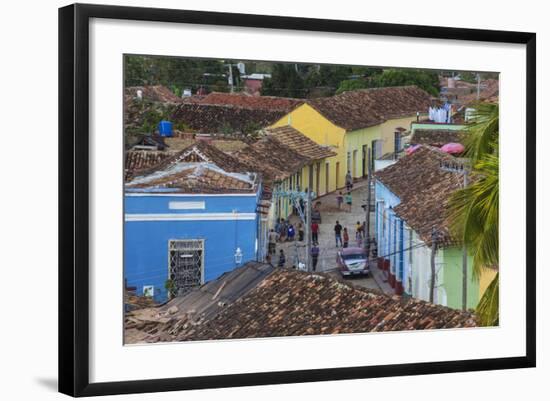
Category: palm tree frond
[487,310]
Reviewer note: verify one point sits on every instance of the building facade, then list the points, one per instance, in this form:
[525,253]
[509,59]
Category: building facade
[189,221]
[409,214]
[353,124]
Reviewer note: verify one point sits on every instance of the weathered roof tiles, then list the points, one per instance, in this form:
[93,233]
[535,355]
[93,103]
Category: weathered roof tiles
[423,188]
[437,137]
[199,168]
[300,143]
[210,118]
[368,107]
[254,102]
[292,303]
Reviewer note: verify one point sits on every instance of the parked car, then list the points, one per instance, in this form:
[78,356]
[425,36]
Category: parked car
[352,261]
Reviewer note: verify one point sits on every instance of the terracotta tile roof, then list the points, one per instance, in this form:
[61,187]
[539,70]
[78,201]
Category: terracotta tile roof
[255,160]
[489,92]
[292,303]
[424,189]
[367,107]
[274,160]
[202,151]
[300,143]
[216,118]
[437,137]
[199,168]
[197,178]
[140,160]
[285,104]
[152,93]
[148,140]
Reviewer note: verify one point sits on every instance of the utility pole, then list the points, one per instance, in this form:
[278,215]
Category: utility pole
[432,263]
[478,85]
[465,259]
[231,83]
[367,217]
[309,199]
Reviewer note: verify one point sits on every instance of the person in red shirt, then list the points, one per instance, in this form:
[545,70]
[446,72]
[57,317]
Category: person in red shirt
[315,232]
[346,238]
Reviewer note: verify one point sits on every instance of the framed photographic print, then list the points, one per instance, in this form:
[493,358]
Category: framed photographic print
[250,199]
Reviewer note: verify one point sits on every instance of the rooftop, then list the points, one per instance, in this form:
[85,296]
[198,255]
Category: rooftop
[210,118]
[254,102]
[152,93]
[424,189]
[283,160]
[199,168]
[300,143]
[274,302]
[368,107]
[437,137]
[489,92]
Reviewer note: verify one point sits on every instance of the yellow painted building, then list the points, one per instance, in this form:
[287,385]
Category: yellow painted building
[352,124]
[327,174]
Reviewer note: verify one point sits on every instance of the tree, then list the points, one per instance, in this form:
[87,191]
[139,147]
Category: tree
[352,84]
[174,72]
[474,210]
[427,80]
[285,82]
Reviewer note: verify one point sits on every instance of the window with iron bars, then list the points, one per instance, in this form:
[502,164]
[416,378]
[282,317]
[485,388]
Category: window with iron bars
[185,265]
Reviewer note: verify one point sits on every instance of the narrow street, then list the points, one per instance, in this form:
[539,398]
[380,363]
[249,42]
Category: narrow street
[327,259]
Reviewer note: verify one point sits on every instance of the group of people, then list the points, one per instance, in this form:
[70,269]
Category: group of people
[346,198]
[285,231]
[341,234]
[314,252]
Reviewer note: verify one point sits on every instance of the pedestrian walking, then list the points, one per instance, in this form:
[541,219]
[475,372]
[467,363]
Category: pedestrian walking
[338,233]
[315,232]
[278,226]
[290,233]
[314,255]
[282,259]
[339,200]
[282,230]
[348,200]
[358,231]
[349,181]
[300,232]
[272,241]
[346,238]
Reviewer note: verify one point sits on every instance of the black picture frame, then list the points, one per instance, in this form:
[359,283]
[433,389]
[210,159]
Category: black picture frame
[74,198]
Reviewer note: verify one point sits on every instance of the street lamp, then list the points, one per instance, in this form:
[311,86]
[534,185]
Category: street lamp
[238,256]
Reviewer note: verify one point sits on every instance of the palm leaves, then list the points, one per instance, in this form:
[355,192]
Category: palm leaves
[482,132]
[487,308]
[474,213]
[474,210]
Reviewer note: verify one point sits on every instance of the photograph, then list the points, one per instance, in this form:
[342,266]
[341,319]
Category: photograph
[275,199]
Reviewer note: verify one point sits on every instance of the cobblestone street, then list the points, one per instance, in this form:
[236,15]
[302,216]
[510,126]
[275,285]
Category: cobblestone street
[295,251]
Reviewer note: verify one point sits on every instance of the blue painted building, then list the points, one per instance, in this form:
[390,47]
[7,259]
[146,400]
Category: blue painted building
[189,221]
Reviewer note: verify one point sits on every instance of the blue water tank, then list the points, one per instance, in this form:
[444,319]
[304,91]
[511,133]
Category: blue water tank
[165,128]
